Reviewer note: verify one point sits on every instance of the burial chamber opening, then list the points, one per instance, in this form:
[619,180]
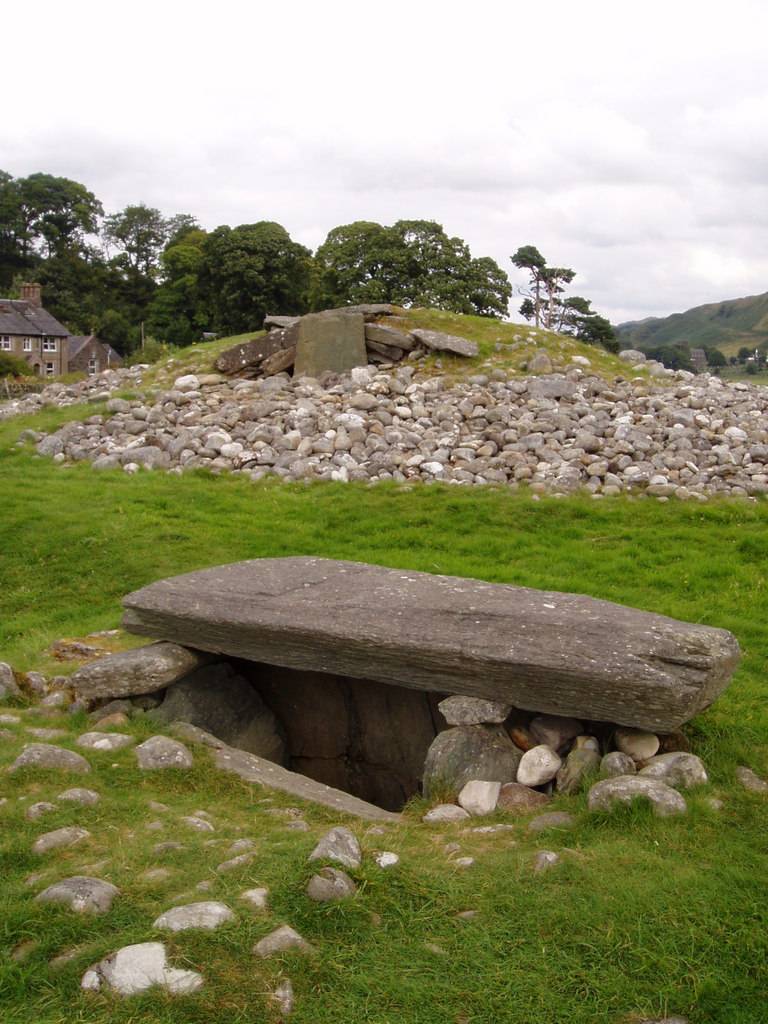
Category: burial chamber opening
[367,738]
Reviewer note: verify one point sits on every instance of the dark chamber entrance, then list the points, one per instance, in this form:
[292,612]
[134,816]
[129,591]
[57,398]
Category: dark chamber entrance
[367,738]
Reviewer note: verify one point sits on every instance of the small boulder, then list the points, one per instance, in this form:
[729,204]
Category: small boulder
[436,341]
[141,670]
[468,752]
[160,752]
[339,845]
[386,859]
[283,997]
[638,744]
[515,798]
[59,838]
[626,788]
[460,710]
[139,967]
[8,685]
[678,769]
[47,756]
[578,765]
[330,885]
[197,823]
[107,741]
[82,894]
[545,859]
[540,362]
[281,940]
[37,810]
[479,798]
[79,795]
[555,731]
[616,763]
[444,812]
[538,766]
[750,780]
[257,899]
[207,915]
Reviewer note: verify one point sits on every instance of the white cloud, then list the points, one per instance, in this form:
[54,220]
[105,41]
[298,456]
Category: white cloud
[627,142]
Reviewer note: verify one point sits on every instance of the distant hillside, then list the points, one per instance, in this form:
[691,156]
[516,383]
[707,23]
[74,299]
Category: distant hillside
[725,325]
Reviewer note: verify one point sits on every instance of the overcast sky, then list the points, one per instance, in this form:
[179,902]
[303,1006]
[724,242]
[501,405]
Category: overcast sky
[628,141]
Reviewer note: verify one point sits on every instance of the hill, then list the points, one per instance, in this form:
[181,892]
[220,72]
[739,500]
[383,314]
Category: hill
[727,325]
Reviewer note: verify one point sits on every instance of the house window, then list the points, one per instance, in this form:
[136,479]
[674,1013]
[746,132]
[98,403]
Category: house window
[49,345]
[49,369]
[27,344]
[93,365]
[5,343]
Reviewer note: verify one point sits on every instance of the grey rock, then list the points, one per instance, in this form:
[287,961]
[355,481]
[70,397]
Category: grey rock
[514,798]
[215,698]
[383,334]
[79,795]
[284,997]
[330,885]
[333,341]
[207,915]
[615,763]
[281,940]
[640,745]
[544,860]
[572,654]
[141,670]
[8,685]
[445,813]
[678,769]
[106,741]
[631,355]
[578,766]
[112,707]
[251,354]
[234,863]
[160,752]
[537,766]
[479,798]
[198,824]
[137,968]
[626,788]
[540,362]
[339,845]
[82,894]
[257,899]
[555,731]
[551,819]
[60,837]
[468,752]
[751,781]
[37,810]
[46,756]
[436,341]
[459,710]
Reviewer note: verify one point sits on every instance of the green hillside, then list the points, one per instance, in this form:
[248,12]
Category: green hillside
[725,325]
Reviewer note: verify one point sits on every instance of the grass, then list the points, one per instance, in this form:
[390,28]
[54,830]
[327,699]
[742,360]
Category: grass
[642,917]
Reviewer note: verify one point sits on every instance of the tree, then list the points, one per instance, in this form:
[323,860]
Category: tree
[140,232]
[177,314]
[411,263]
[57,212]
[252,270]
[744,354]
[715,357]
[529,258]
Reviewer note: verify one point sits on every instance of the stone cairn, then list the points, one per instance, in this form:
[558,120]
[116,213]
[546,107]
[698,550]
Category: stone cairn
[336,341]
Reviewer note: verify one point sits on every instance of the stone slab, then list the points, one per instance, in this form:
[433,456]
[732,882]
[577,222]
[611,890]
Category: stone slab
[252,353]
[562,654]
[330,342]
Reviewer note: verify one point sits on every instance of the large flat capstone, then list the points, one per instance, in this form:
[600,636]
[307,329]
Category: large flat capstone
[563,654]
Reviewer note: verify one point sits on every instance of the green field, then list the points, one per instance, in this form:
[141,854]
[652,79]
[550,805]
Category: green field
[642,916]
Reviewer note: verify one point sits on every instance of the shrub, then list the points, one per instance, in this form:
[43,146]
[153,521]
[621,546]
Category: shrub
[12,366]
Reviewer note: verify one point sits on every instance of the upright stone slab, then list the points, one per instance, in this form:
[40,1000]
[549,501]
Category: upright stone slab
[562,654]
[332,341]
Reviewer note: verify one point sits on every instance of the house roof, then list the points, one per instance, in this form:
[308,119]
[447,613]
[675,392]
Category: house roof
[77,342]
[20,317]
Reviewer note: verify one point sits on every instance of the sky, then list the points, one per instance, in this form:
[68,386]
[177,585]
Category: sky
[627,141]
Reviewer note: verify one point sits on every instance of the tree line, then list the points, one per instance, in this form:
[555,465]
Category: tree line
[118,274]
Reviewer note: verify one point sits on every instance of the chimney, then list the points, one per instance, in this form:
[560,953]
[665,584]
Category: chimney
[33,294]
